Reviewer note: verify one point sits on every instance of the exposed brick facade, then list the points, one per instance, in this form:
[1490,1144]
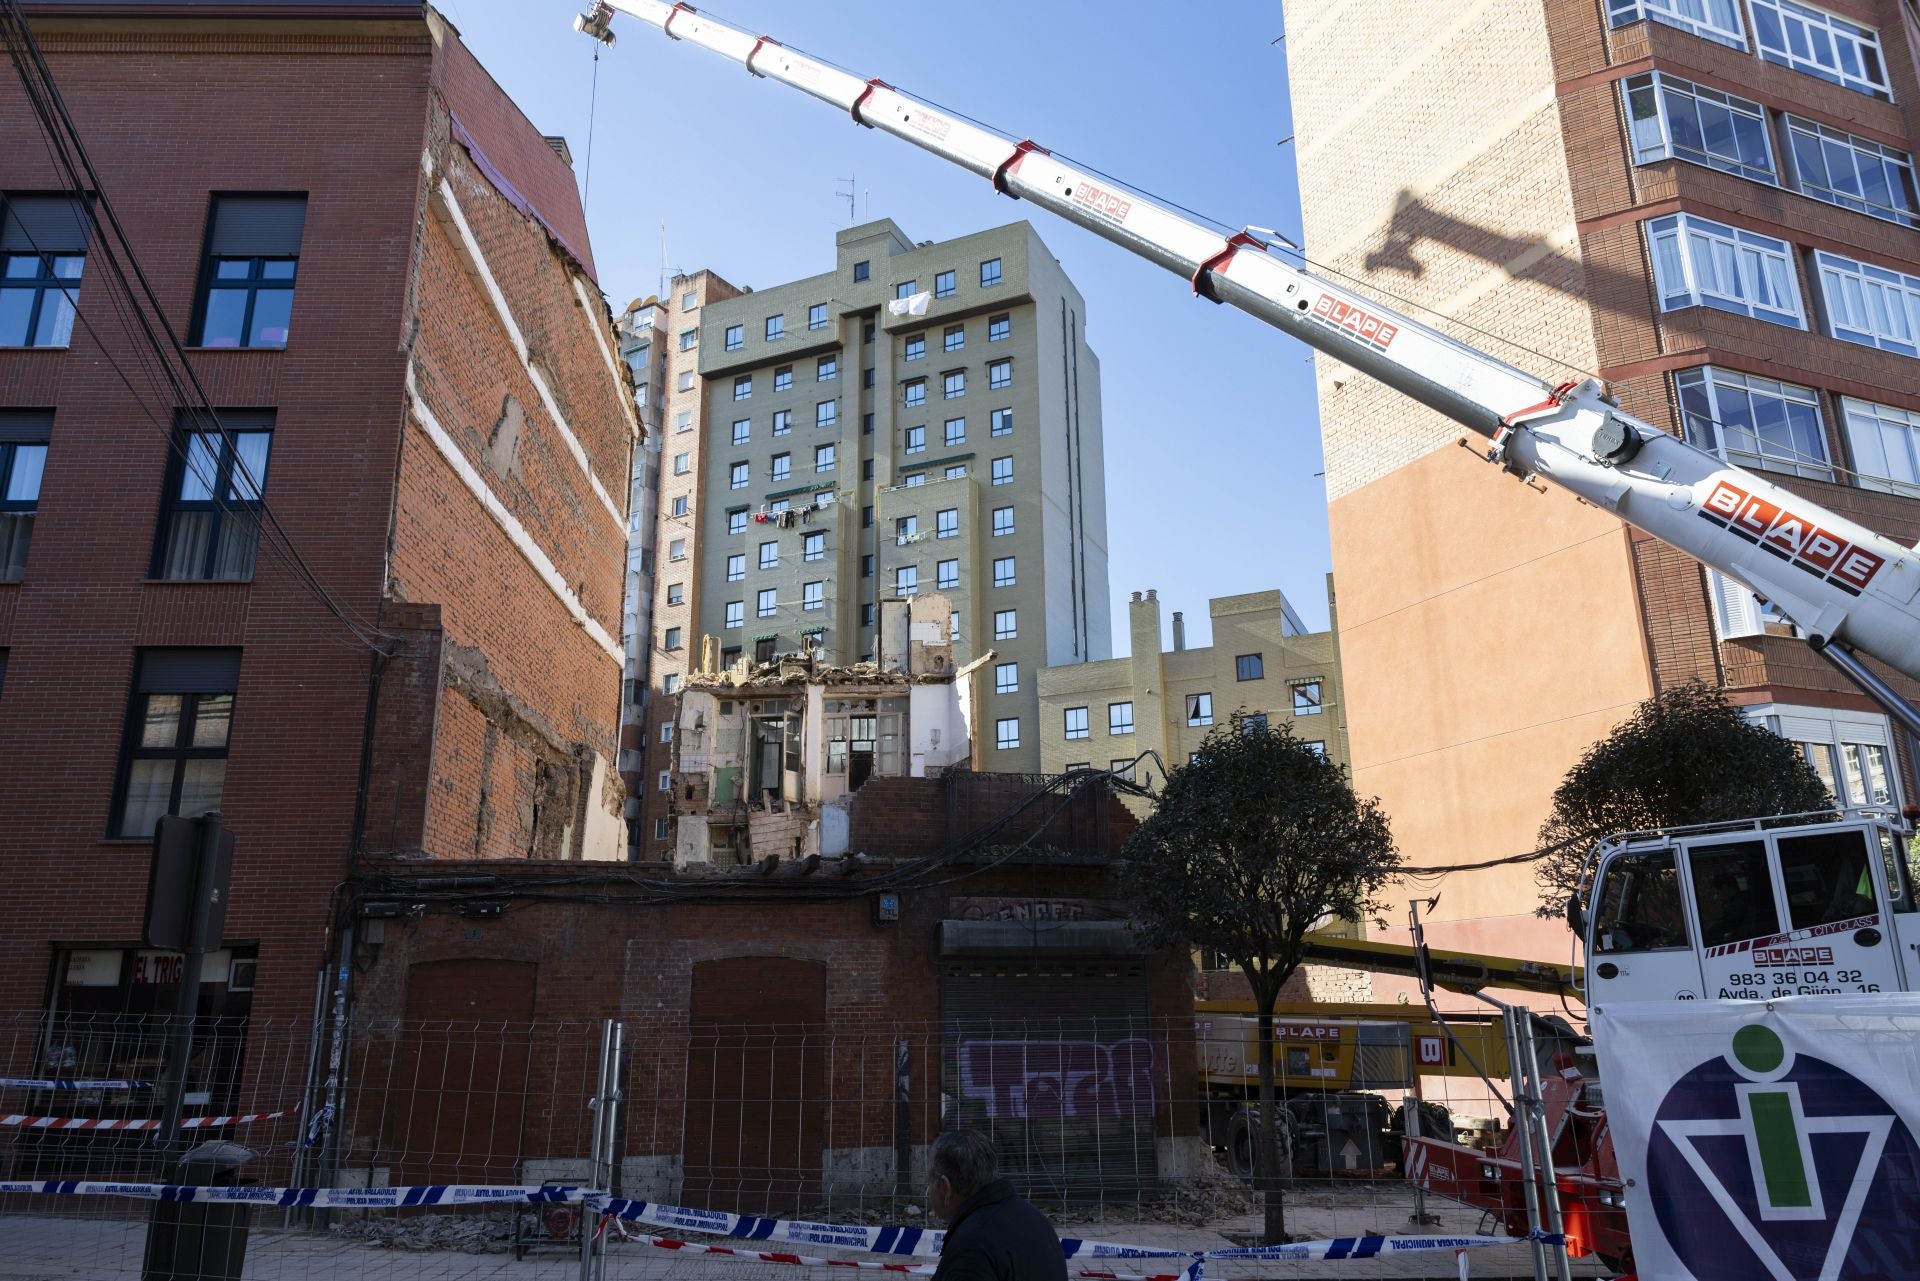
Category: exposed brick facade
[490,730]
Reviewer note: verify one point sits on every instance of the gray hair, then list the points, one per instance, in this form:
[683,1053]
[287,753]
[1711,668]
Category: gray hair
[965,1157]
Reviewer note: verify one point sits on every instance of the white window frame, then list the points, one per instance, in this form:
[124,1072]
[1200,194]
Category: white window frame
[1701,263]
[1863,153]
[683,463]
[1661,90]
[1870,305]
[1834,32]
[1885,444]
[1753,451]
[1692,16]
[1836,730]
[1736,611]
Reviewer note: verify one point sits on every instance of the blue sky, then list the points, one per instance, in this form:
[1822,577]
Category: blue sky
[1213,447]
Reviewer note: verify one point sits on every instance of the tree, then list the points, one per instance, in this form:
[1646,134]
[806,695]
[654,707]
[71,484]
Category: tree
[1254,844]
[1685,756]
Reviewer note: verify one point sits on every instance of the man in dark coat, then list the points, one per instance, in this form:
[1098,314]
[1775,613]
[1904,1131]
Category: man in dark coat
[992,1233]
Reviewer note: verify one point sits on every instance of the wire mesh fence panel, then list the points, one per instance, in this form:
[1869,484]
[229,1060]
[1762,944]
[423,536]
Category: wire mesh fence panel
[1123,1128]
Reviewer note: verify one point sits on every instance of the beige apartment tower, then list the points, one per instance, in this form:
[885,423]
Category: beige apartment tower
[1710,205]
[1263,663]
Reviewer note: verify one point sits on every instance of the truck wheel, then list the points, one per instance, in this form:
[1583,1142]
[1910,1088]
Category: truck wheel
[1243,1132]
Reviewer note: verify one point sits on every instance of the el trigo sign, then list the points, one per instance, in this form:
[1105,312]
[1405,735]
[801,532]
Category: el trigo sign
[1767,1140]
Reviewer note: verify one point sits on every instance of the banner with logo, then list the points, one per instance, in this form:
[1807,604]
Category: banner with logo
[1767,1140]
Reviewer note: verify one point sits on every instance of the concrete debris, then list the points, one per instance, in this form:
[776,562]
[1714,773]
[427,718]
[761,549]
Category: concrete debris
[474,1233]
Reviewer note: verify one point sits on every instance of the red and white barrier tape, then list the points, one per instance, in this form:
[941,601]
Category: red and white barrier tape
[68,1123]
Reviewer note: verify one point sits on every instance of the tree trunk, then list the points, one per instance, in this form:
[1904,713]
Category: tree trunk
[1272,1171]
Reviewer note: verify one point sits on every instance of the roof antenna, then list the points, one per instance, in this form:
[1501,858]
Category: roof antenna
[852,193]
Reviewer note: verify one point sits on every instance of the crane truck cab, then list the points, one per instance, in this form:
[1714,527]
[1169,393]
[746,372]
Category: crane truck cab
[1799,905]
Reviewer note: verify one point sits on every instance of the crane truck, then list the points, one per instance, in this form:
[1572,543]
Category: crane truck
[1743,911]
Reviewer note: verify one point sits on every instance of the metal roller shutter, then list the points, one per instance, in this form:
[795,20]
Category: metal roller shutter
[189,671]
[257,226]
[25,427]
[1057,1061]
[44,224]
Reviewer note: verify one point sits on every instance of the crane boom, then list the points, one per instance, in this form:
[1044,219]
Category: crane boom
[1846,586]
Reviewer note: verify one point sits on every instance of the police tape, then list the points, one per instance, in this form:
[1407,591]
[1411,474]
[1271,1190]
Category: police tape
[70,1123]
[317,1198]
[40,1083]
[885,1240]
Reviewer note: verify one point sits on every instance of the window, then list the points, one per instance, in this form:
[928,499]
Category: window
[860,271]
[665,781]
[955,471]
[906,289]
[1003,471]
[1885,440]
[782,421]
[813,547]
[1674,119]
[915,478]
[826,413]
[817,316]
[906,529]
[1306,698]
[1003,422]
[1002,521]
[944,286]
[1006,678]
[770,554]
[1820,44]
[866,615]
[914,392]
[211,527]
[989,273]
[1715,19]
[737,568]
[688,338]
[670,683]
[866,380]
[742,433]
[1000,375]
[686,379]
[739,475]
[737,521]
[1121,767]
[953,385]
[253,254]
[1754,422]
[1249,667]
[689,301]
[1006,733]
[23,460]
[743,387]
[676,593]
[1253,723]
[1199,709]
[776,328]
[677,549]
[823,457]
[767,603]
[947,575]
[916,441]
[906,580]
[813,595]
[1006,625]
[783,378]
[1697,263]
[956,429]
[43,248]
[1119,718]
[736,609]
[660,829]
[955,338]
[916,348]
[827,369]
[999,329]
[1638,905]
[683,421]
[866,424]
[946,523]
[1076,718]
[670,640]
[175,756]
[736,337]
[866,567]
[1869,305]
[1852,172]
[866,469]
[680,505]
[866,518]
[782,467]
[1003,572]
[1734,891]
[866,333]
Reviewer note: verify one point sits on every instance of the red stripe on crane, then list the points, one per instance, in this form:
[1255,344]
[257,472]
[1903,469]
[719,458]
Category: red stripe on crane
[872,85]
[679,8]
[1012,165]
[1203,276]
[758,45]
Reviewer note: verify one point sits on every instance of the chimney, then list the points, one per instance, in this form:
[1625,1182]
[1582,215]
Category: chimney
[1179,631]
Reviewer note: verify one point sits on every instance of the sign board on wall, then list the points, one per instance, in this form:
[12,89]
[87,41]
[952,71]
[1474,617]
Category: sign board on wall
[1771,1140]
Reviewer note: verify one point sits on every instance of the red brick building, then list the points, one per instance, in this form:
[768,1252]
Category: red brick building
[382,275]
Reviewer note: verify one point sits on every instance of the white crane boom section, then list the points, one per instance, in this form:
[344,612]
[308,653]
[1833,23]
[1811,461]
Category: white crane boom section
[1846,586]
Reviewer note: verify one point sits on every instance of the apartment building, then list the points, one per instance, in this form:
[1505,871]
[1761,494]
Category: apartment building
[419,400]
[1263,666]
[1710,204]
[923,417]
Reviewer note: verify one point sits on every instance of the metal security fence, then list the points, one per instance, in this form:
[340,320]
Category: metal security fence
[1124,1129]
